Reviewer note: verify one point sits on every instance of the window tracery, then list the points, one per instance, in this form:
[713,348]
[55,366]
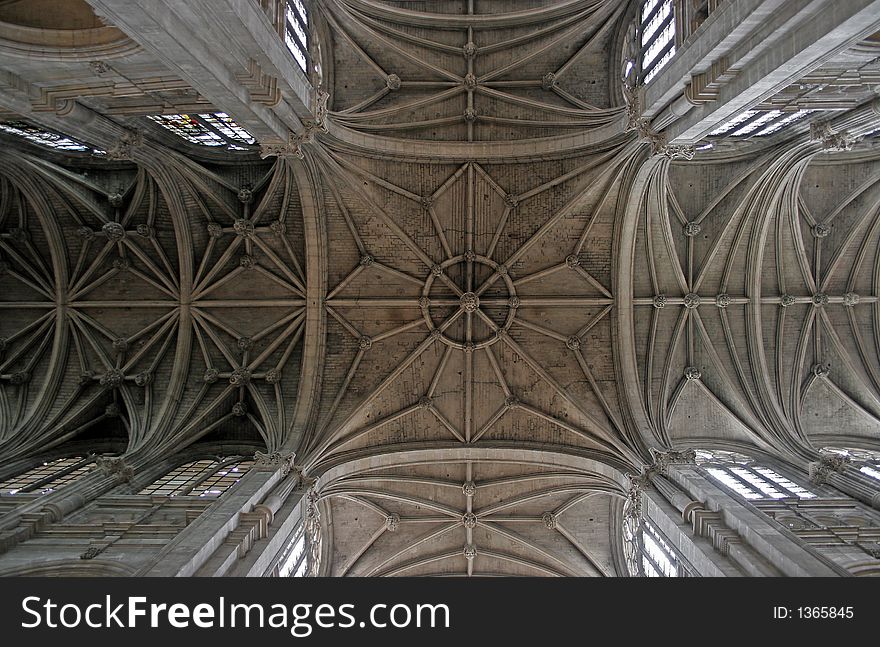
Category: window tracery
[647,552]
[48,476]
[749,478]
[656,37]
[213,129]
[202,478]
[47,138]
[296,32]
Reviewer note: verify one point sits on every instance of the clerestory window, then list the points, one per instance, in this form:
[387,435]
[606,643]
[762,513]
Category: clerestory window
[202,478]
[749,478]
[215,129]
[48,476]
[656,36]
[48,138]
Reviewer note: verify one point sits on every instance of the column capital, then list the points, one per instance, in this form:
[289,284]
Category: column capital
[663,459]
[114,466]
[827,464]
[274,461]
[123,148]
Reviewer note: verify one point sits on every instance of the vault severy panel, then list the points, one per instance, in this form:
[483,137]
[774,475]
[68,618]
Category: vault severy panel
[417,318]
[471,518]
[161,319]
[490,72]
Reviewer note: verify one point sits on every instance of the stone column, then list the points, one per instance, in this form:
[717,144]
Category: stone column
[834,470]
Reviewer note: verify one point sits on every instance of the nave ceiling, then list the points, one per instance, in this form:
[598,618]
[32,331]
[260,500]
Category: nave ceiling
[475,304]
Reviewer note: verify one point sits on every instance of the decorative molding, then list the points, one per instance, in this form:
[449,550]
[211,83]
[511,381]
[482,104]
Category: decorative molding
[830,140]
[710,524]
[662,460]
[691,300]
[293,147]
[262,87]
[113,466]
[637,486]
[313,530]
[826,465]
[123,148]
[704,87]
[692,229]
[274,461]
[659,145]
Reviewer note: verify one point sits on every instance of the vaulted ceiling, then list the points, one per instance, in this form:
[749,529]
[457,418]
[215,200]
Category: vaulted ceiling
[470,309]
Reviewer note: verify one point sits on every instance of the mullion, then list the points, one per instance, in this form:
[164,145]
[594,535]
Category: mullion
[290,546]
[299,19]
[660,571]
[302,47]
[758,114]
[743,482]
[657,9]
[769,124]
[763,479]
[660,539]
[773,484]
[48,480]
[207,124]
[202,477]
[192,483]
[642,530]
[301,559]
[656,35]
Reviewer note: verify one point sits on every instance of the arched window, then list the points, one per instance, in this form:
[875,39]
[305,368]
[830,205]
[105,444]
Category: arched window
[47,138]
[202,478]
[209,129]
[749,478]
[648,553]
[656,37]
[296,32]
[864,460]
[48,476]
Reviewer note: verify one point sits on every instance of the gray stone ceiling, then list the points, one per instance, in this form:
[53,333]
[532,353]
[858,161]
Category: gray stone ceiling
[472,307]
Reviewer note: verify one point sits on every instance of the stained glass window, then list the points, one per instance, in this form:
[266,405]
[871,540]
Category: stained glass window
[216,129]
[47,138]
[48,476]
[202,478]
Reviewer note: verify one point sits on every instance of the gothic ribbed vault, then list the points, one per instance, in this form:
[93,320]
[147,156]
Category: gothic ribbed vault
[471,299]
